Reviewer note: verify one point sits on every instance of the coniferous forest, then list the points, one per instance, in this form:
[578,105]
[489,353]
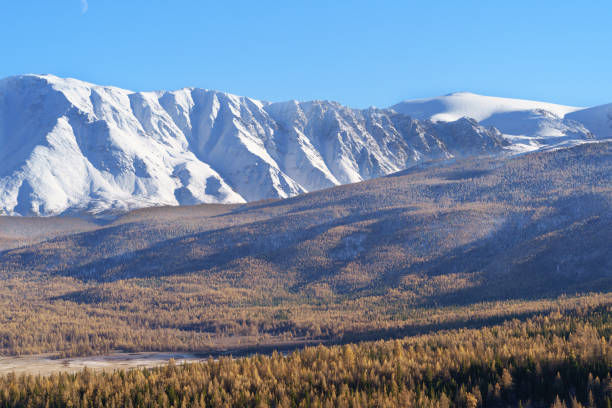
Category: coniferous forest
[558,359]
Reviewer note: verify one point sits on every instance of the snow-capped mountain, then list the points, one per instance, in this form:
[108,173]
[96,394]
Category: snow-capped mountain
[527,125]
[597,119]
[68,146]
[479,107]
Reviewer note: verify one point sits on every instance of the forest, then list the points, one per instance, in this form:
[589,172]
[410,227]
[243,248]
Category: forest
[562,358]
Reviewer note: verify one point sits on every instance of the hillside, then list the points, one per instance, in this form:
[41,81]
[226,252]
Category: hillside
[446,235]
[473,215]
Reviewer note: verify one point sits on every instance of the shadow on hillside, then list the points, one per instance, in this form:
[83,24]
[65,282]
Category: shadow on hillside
[219,249]
[416,330]
[568,251]
[569,256]
[524,259]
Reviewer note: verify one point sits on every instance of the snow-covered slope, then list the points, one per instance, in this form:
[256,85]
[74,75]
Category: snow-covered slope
[69,146]
[530,123]
[597,119]
[479,107]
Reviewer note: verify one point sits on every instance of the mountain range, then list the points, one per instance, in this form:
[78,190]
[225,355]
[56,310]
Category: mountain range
[71,147]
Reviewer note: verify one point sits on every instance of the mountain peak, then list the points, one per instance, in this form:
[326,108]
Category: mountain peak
[75,146]
[462,93]
[496,110]
[68,146]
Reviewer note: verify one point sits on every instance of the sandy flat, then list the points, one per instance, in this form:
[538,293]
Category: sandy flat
[46,365]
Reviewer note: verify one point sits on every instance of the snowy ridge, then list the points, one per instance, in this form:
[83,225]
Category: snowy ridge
[479,107]
[597,119]
[68,146]
[526,125]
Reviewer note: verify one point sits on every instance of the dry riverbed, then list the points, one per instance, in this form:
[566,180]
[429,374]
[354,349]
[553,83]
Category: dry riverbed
[47,364]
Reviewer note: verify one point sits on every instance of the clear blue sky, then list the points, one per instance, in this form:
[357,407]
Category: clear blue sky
[359,53]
